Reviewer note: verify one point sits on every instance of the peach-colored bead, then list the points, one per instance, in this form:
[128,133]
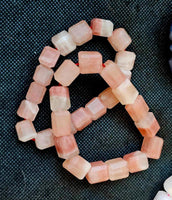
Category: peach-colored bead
[80,32]
[61,123]
[43,75]
[49,56]
[148,126]
[119,39]
[127,73]
[118,169]
[66,146]
[81,118]
[126,92]
[25,130]
[90,62]
[138,110]
[98,172]
[73,129]
[77,166]
[28,110]
[36,93]
[152,147]
[112,74]
[137,161]
[66,73]
[96,108]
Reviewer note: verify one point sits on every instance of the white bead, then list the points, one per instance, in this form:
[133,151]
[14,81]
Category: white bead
[168,186]
[161,195]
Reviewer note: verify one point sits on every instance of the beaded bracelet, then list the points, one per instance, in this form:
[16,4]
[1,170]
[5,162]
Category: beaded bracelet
[116,74]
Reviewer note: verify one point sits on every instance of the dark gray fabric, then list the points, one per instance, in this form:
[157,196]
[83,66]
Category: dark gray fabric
[28,173]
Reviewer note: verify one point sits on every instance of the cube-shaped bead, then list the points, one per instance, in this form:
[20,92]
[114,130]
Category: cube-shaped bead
[59,98]
[25,130]
[168,186]
[36,93]
[138,110]
[43,75]
[127,73]
[80,32]
[161,195]
[117,169]
[66,73]
[49,57]
[90,62]
[44,139]
[112,74]
[119,39]
[102,27]
[98,172]
[148,126]
[28,110]
[152,147]
[77,166]
[137,161]
[66,146]
[96,108]
[125,59]
[64,43]
[81,118]
[126,92]
[61,123]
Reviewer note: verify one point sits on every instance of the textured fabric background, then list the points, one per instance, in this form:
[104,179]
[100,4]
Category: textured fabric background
[30,174]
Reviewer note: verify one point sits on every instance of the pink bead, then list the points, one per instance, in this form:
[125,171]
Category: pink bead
[137,161]
[118,169]
[138,110]
[81,118]
[66,146]
[96,108]
[148,126]
[152,147]
[43,75]
[59,98]
[49,57]
[77,166]
[73,129]
[98,172]
[119,39]
[28,110]
[36,93]
[66,73]
[61,123]
[80,32]
[90,62]
[127,73]
[25,130]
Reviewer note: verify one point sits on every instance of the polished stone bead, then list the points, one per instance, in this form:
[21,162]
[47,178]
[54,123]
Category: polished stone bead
[168,186]
[73,129]
[161,195]
[127,73]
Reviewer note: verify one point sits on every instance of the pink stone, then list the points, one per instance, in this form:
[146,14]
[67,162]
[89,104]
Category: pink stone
[118,169]
[148,126]
[36,93]
[90,62]
[108,98]
[119,39]
[127,73]
[168,185]
[44,139]
[112,74]
[43,75]
[49,57]
[81,118]
[102,27]
[138,110]
[80,32]
[152,147]
[59,98]
[77,166]
[28,110]
[126,93]
[137,161]
[73,129]
[161,195]
[96,108]
[25,130]
[61,123]
[66,146]
[98,172]
[66,73]
[64,43]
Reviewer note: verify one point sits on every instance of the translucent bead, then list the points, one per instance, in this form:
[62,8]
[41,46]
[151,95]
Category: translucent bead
[127,73]
[168,186]
[161,195]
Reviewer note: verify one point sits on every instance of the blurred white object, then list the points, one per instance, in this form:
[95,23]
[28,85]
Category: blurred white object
[161,195]
[168,186]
